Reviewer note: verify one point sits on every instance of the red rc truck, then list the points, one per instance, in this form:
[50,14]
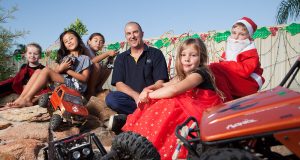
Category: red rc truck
[65,105]
[250,127]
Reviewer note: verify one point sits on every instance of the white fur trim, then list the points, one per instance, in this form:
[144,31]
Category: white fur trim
[258,79]
[249,47]
[248,26]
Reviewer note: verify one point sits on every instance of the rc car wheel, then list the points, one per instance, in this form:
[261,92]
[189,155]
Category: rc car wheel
[55,121]
[130,145]
[227,154]
[43,100]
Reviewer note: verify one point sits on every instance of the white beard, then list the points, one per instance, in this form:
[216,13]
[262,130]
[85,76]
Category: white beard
[234,47]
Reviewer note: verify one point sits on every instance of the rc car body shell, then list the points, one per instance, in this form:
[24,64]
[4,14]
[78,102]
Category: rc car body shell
[58,102]
[267,111]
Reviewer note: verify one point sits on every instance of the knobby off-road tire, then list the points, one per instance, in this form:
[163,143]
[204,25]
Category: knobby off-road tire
[43,100]
[133,146]
[55,122]
[227,154]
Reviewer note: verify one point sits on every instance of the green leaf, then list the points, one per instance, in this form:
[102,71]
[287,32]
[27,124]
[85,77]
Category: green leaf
[293,29]
[166,42]
[184,38]
[262,33]
[158,44]
[219,37]
[188,37]
[195,36]
[43,55]
[115,46]
[53,54]
[18,57]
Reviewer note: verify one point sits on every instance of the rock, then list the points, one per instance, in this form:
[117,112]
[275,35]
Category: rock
[22,114]
[5,156]
[97,107]
[37,131]
[4,125]
[24,132]
[93,122]
[104,136]
[22,149]
[43,117]
[66,133]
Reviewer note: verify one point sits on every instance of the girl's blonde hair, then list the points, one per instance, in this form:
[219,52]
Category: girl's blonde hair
[36,45]
[200,47]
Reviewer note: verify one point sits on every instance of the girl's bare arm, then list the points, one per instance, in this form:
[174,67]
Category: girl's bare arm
[174,89]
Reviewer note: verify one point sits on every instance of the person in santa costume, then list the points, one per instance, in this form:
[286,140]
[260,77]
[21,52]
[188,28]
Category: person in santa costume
[239,72]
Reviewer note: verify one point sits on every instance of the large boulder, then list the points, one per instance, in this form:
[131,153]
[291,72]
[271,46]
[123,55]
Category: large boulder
[22,148]
[22,135]
[24,114]
[24,132]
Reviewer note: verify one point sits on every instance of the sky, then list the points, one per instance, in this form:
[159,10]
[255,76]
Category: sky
[46,19]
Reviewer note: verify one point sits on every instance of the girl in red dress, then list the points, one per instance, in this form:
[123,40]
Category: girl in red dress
[189,93]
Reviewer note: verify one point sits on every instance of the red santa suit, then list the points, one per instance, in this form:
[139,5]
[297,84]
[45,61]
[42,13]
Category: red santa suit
[241,76]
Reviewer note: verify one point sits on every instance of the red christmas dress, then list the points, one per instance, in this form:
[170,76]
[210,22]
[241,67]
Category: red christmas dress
[158,119]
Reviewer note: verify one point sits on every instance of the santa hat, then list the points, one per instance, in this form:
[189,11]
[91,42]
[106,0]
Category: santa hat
[250,25]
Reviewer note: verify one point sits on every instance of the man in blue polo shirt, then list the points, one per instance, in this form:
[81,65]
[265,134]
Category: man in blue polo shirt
[139,67]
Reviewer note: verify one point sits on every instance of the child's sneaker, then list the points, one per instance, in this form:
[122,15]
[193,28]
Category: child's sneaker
[116,122]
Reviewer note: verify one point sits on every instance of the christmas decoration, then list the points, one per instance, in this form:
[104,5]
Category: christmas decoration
[204,36]
[187,37]
[173,40]
[219,37]
[53,54]
[293,29]
[166,42]
[115,46]
[167,39]
[43,54]
[122,44]
[18,57]
[158,44]
[273,30]
[262,33]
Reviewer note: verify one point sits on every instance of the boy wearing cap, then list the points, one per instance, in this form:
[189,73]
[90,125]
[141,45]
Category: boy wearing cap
[239,72]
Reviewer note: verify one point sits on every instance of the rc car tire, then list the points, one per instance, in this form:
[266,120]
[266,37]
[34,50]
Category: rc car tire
[43,100]
[55,122]
[133,146]
[227,154]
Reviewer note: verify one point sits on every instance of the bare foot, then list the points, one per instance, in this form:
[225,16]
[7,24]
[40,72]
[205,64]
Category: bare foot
[19,103]
[4,108]
[8,104]
[13,102]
